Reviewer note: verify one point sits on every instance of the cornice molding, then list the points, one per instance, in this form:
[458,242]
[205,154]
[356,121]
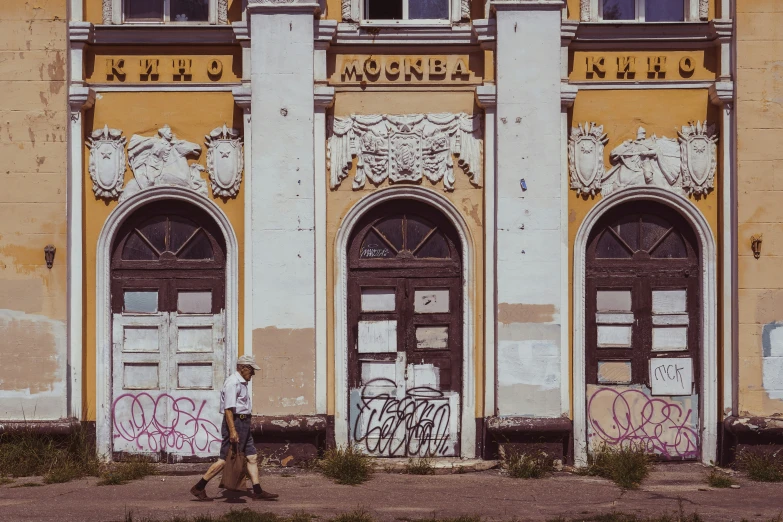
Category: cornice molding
[79,31]
[455,34]
[241,30]
[323,96]
[568,94]
[649,32]
[324,32]
[526,5]
[722,93]
[80,98]
[486,95]
[242,96]
[568,30]
[722,29]
[164,34]
[485,32]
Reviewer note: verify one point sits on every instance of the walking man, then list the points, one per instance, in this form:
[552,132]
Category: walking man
[236,406]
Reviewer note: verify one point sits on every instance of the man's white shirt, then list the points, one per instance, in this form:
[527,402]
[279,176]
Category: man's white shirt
[235,395]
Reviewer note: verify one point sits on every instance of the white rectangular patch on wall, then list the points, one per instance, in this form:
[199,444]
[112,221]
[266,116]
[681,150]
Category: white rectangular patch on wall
[141,339]
[669,338]
[378,300]
[614,336]
[381,372]
[194,376]
[671,376]
[140,376]
[194,339]
[140,301]
[432,337]
[614,372]
[669,301]
[613,301]
[431,301]
[189,302]
[377,336]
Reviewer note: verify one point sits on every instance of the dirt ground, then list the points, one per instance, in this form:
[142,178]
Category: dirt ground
[390,497]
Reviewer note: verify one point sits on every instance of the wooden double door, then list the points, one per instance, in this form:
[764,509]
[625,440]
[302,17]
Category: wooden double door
[168,334]
[643,330]
[405,333]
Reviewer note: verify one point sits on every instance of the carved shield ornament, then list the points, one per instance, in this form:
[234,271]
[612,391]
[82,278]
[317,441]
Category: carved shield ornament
[225,161]
[406,155]
[699,155]
[107,162]
[586,157]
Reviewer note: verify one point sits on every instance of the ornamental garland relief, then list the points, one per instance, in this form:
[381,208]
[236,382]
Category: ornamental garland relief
[686,165]
[405,148]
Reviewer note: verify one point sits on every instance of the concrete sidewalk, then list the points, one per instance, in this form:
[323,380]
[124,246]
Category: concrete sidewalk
[391,497]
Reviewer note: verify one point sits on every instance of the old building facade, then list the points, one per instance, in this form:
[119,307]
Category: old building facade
[439,226]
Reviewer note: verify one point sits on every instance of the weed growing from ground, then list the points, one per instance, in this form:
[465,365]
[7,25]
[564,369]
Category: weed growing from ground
[625,466]
[358,515]
[421,466]
[6,480]
[760,465]
[677,516]
[346,465]
[718,479]
[525,465]
[57,458]
[28,485]
[124,472]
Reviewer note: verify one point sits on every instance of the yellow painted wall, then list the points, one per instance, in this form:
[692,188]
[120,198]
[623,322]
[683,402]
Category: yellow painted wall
[467,199]
[33,167]
[759,195]
[661,112]
[191,116]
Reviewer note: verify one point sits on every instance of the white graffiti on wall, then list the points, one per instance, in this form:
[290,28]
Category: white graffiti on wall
[629,415]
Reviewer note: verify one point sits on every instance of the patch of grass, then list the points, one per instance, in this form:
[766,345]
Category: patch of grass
[6,480]
[525,465]
[346,465]
[625,466]
[124,472]
[357,515]
[761,465]
[420,466]
[677,516]
[718,479]
[28,485]
[57,458]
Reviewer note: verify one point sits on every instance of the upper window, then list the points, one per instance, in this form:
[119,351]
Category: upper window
[394,10]
[644,10]
[168,10]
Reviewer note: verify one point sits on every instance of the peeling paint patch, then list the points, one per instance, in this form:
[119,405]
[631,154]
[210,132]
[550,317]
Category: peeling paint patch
[525,313]
[286,383]
[32,351]
[472,210]
[23,295]
[772,359]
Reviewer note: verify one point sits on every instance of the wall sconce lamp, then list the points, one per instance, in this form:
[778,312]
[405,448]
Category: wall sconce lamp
[755,245]
[49,251]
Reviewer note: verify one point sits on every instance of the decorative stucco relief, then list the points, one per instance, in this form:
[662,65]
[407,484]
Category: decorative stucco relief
[107,162]
[405,148]
[699,152]
[704,9]
[107,11]
[162,160]
[465,10]
[586,158]
[686,165]
[584,10]
[225,161]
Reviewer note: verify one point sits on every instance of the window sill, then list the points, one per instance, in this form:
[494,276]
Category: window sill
[405,34]
[604,31]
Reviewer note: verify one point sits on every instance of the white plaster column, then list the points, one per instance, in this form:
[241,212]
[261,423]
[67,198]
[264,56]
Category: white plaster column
[242,98]
[80,99]
[529,239]
[283,190]
[486,98]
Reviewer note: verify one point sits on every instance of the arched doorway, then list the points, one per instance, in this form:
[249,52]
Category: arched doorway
[168,302]
[405,332]
[643,331]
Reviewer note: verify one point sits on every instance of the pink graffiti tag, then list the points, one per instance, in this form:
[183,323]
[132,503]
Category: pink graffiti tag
[163,423]
[659,426]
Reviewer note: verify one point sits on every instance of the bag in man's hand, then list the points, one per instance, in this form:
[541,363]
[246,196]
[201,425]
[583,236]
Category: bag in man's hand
[234,473]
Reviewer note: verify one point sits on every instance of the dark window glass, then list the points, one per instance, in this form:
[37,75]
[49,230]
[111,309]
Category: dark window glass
[144,9]
[664,10]
[428,9]
[384,10]
[136,249]
[609,247]
[435,246]
[154,231]
[620,9]
[672,247]
[189,10]
[628,230]
[653,229]
[181,231]
[391,229]
[417,230]
[199,247]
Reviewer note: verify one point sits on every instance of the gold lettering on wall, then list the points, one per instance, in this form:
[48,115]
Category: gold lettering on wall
[215,69]
[659,66]
[115,69]
[365,69]
[149,69]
